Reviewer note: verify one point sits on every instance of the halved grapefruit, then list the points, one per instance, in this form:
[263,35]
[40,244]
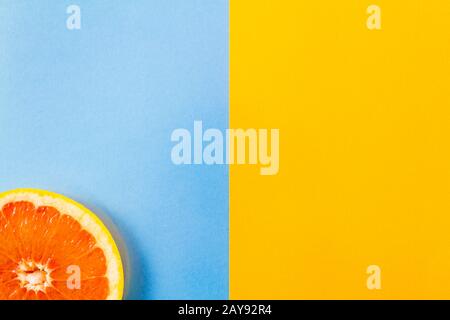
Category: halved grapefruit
[52,248]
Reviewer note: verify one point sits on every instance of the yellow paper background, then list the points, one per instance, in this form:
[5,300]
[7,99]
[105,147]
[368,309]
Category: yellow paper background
[364,119]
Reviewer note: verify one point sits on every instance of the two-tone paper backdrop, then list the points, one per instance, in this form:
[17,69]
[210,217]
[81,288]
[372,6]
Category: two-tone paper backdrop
[364,119]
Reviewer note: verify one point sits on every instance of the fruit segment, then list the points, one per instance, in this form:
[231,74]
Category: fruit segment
[55,252]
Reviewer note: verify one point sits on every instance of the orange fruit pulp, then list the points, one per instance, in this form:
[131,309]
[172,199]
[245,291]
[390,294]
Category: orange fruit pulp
[52,248]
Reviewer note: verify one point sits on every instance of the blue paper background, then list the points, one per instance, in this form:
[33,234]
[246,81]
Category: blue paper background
[89,114]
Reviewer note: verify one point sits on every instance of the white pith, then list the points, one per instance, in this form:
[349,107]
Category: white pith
[88,222]
[33,276]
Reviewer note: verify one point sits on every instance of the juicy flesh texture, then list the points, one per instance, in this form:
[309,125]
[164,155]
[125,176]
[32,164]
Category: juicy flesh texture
[47,255]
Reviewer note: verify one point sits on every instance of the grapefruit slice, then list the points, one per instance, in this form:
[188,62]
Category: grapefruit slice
[52,248]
